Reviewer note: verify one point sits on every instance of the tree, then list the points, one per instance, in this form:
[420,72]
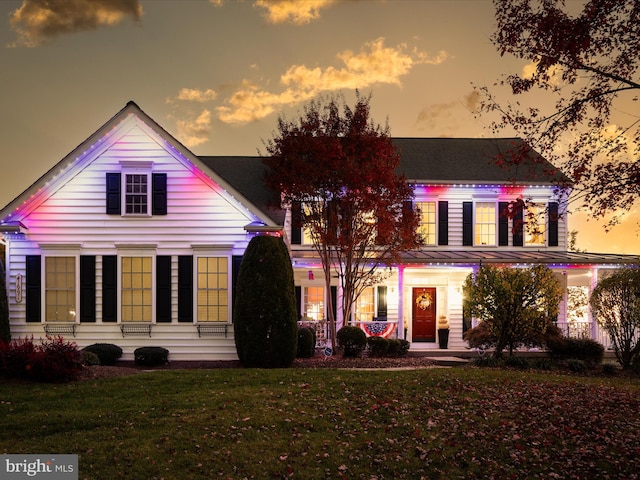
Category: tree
[615,303]
[265,315]
[338,169]
[516,305]
[588,63]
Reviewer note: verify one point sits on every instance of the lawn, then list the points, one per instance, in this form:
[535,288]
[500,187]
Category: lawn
[325,423]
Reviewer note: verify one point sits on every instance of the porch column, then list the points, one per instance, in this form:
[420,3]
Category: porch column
[592,285]
[401,332]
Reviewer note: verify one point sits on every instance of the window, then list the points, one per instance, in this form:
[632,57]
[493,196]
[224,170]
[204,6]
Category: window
[60,289]
[364,306]
[427,227]
[136,197]
[137,289]
[313,303]
[213,289]
[485,226]
[535,225]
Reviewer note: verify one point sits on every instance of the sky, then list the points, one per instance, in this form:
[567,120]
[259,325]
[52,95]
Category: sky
[217,74]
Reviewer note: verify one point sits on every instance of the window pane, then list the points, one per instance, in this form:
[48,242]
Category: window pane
[535,225]
[137,294]
[60,289]
[213,293]
[364,306]
[314,303]
[427,226]
[485,227]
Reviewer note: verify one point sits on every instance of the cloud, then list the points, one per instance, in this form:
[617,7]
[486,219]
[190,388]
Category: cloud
[194,132]
[194,95]
[294,11]
[39,21]
[375,64]
[440,117]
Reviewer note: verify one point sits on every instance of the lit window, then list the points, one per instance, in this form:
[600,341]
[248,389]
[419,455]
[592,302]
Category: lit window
[427,226]
[535,225]
[136,198]
[213,289]
[364,306]
[137,289]
[313,303]
[60,289]
[485,226]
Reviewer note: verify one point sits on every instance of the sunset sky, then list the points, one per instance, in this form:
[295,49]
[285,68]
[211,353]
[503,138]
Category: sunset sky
[216,74]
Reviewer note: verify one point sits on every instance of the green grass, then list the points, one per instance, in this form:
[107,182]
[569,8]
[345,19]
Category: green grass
[317,424]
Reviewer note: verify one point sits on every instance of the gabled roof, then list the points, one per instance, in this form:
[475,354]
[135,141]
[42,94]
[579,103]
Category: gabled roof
[246,175]
[472,161]
[11,214]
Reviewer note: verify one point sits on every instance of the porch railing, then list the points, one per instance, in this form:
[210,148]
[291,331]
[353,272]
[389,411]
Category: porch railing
[585,329]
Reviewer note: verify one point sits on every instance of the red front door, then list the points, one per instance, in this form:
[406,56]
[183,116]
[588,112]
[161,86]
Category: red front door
[424,314]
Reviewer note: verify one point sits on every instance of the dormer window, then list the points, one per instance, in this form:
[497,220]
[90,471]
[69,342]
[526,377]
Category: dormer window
[136,192]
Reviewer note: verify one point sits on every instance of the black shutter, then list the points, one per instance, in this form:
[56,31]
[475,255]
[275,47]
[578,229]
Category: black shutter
[553,224]
[503,224]
[299,301]
[467,224]
[443,223]
[113,193]
[236,261]
[518,228]
[109,288]
[163,289]
[87,288]
[34,288]
[382,302]
[185,288]
[296,223]
[159,194]
[334,302]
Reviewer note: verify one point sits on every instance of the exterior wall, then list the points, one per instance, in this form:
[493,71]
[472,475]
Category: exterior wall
[202,219]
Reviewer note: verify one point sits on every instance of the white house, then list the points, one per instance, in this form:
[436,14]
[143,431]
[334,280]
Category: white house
[134,240]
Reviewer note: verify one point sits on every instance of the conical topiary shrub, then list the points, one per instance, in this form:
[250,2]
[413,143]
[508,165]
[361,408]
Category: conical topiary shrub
[265,315]
[5,330]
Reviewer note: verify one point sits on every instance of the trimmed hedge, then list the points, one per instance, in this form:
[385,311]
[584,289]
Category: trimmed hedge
[108,353]
[151,356]
[352,341]
[306,342]
[265,313]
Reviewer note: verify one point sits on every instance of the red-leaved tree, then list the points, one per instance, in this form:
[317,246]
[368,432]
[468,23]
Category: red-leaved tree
[338,167]
[584,57]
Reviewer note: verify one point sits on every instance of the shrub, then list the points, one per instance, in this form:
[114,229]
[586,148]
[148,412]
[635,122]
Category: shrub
[583,349]
[57,361]
[377,346]
[542,364]
[151,356]
[89,359]
[265,314]
[521,363]
[306,342]
[615,303]
[398,347]
[486,361]
[480,337]
[576,366]
[53,360]
[17,356]
[635,364]
[352,341]
[609,369]
[108,353]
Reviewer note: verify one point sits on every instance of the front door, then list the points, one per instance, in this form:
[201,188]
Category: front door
[424,314]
